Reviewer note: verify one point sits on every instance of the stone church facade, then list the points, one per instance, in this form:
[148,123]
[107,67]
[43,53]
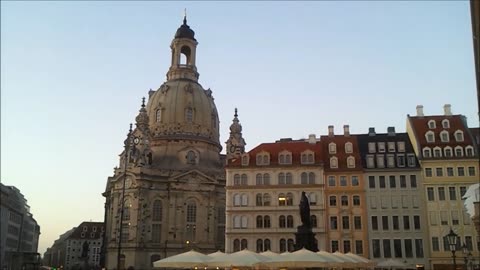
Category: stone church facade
[171,174]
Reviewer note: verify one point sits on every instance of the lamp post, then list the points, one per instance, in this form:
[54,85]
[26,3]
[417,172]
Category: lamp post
[452,242]
[127,144]
[465,254]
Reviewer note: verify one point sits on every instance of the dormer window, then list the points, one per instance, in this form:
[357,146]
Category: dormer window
[348,147]
[391,147]
[245,160]
[332,148]
[427,152]
[263,159]
[437,152]
[444,136]
[431,124]
[285,158]
[371,147]
[401,146]
[381,147]
[430,136]
[307,157]
[448,151]
[445,123]
[469,151]
[333,163]
[459,136]
[458,151]
[351,162]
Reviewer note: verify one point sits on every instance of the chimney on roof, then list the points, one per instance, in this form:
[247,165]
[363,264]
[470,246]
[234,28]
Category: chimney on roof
[420,110]
[391,131]
[330,131]
[371,131]
[312,139]
[447,109]
[346,130]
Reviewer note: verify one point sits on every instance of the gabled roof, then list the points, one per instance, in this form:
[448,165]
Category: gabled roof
[457,122]
[341,155]
[77,233]
[274,149]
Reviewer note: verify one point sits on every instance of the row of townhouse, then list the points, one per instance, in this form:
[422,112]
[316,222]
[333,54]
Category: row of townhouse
[382,195]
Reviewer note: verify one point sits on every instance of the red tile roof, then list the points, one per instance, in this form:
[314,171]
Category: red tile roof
[340,141]
[295,147]
[420,128]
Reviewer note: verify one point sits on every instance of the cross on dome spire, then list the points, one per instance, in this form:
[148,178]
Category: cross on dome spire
[185,16]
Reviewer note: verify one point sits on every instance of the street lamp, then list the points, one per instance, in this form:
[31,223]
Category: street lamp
[452,242]
[465,254]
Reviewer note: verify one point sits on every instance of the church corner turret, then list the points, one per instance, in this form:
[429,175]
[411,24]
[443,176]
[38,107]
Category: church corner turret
[235,143]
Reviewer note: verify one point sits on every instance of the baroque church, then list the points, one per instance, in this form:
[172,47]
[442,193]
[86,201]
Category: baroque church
[171,177]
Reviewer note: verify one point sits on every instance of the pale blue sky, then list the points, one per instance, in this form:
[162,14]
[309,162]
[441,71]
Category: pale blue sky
[73,75]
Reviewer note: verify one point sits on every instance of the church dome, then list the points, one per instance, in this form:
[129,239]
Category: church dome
[182,109]
[184,31]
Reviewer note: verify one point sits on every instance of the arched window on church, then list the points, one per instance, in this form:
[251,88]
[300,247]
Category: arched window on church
[185,53]
[191,219]
[191,157]
[126,210]
[157,211]
[189,115]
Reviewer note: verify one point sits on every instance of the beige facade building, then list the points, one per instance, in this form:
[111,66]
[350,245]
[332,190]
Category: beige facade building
[170,180]
[395,201]
[449,160]
[264,187]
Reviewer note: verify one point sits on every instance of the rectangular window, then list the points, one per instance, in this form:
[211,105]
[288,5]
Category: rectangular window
[452,192]
[419,248]
[428,172]
[385,200]
[331,180]
[469,242]
[385,223]
[413,181]
[416,222]
[343,181]
[403,181]
[439,172]
[441,193]
[391,161]
[461,171]
[430,195]
[371,181]
[156,233]
[435,244]
[346,222]
[455,217]
[395,201]
[380,161]
[333,223]
[387,252]
[391,147]
[408,248]
[396,225]
[449,171]
[373,202]
[401,161]
[397,248]
[357,221]
[358,247]
[374,223]
[406,223]
[370,161]
[466,218]
[347,246]
[401,146]
[376,248]
[371,147]
[405,201]
[416,202]
[411,160]
[444,217]
[381,147]
[354,180]
[334,245]
[463,190]
[471,171]
[393,182]
[381,180]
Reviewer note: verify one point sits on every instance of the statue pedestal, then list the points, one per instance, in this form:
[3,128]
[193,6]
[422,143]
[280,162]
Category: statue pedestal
[305,238]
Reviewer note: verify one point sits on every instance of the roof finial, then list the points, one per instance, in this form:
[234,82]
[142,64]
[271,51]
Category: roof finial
[236,115]
[143,102]
[185,16]
[130,131]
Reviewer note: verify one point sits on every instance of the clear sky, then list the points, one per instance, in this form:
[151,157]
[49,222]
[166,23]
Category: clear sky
[73,75]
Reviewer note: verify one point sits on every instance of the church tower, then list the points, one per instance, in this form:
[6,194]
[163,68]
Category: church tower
[170,179]
[235,143]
